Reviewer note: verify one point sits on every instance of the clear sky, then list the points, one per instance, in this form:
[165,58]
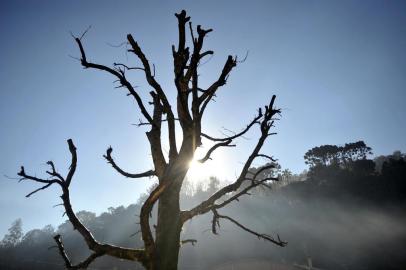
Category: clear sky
[338,69]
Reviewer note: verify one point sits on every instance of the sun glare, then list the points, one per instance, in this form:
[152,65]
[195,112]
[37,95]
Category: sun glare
[202,171]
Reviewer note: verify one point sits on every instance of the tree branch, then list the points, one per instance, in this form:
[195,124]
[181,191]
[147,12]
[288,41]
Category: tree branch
[154,136]
[110,160]
[54,172]
[157,87]
[192,241]
[24,176]
[120,76]
[207,205]
[268,157]
[245,130]
[197,47]
[180,59]
[38,189]
[127,67]
[213,148]
[47,183]
[261,169]
[82,265]
[235,197]
[98,248]
[74,160]
[145,213]
[215,223]
[208,94]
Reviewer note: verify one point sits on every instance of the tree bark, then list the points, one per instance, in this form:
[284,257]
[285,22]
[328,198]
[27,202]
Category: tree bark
[168,230]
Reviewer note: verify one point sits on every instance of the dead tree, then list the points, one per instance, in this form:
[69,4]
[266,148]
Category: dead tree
[162,244]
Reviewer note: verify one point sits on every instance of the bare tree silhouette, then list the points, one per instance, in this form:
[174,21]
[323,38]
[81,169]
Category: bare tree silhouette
[161,246]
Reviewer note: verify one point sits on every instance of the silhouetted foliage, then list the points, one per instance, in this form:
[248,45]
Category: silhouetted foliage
[351,173]
[334,155]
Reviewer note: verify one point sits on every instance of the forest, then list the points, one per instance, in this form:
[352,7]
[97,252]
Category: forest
[347,211]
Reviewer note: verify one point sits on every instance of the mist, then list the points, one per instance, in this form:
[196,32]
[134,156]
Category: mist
[336,234]
[346,212]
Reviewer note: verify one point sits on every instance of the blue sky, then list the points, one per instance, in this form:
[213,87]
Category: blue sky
[338,69]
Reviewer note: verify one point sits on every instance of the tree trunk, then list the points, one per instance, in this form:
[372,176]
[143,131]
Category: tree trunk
[168,230]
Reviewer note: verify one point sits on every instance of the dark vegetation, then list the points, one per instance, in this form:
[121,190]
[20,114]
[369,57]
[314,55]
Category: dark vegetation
[346,212]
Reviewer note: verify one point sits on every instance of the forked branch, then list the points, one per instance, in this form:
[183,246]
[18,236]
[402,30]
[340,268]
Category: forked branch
[98,248]
[119,75]
[265,125]
[206,97]
[244,191]
[266,237]
[82,265]
[260,170]
[136,49]
[244,131]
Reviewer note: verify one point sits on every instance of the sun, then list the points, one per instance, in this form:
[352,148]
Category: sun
[202,171]
[196,168]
